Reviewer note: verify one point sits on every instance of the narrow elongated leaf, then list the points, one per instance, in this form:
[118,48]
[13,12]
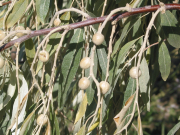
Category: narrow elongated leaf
[56,123]
[91,89]
[23,93]
[82,130]
[120,116]
[4,124]
[168,28]
[102,58]
[143,82]
[77,127]
[48,129]
[174,129]
[82,109]
[164,61]
[70,64]
[42,7]
[30,51]
[17,12]
[93,126]
[130,89]
[39,66]
[26,122]
[10,91]
[124,50]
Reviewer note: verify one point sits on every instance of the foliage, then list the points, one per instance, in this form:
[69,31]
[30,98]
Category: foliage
[30,86]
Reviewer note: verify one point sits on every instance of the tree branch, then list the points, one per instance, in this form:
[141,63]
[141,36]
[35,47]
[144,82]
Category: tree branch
[91,21]
[5,3]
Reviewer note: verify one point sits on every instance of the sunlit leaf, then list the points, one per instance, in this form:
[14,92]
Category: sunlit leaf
[174,129]
[26,122]
[93,126]
[82,109]
[121,115]
[10,91]
[42,7]
[82,130]
[17,12]
[65,16]
[23,99]
[164,60]
[48,129]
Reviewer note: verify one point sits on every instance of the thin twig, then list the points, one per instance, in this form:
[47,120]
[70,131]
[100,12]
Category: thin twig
[18,86]
[5,3]
[151,45]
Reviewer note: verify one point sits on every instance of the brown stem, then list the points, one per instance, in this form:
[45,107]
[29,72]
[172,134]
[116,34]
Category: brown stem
[91,21]
[151,45]
[5,3]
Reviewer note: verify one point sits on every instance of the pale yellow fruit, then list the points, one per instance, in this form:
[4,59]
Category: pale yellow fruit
[19,34]
[43,56]
[42,119]
[98,38]
[104,87]
[133,72]
[2,62]
[57,22]
[85,63]
[84,83]
[2,35]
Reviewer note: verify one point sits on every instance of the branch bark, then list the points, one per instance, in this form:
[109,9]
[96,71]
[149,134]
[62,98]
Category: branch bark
[91,21]
[5,3]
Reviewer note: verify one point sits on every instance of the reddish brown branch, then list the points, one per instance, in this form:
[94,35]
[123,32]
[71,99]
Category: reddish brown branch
[5,3]
[91,21]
